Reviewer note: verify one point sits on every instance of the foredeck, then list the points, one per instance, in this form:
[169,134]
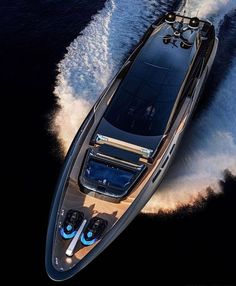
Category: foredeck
[90,206]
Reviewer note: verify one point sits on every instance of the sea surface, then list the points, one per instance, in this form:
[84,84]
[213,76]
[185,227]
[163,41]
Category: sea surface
[64,53]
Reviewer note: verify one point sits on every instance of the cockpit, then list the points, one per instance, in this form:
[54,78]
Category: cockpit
[108,174]
[110,179]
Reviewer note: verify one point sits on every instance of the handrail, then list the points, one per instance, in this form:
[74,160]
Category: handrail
[145,152]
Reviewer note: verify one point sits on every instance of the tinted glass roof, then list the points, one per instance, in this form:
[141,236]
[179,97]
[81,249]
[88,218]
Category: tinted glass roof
[145,98]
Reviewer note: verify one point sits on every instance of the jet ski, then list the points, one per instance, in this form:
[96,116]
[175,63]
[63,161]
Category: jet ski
[121,152]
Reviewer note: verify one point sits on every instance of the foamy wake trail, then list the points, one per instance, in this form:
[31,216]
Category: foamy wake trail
[96,55]
[214,10]
[207,149]
[209,146]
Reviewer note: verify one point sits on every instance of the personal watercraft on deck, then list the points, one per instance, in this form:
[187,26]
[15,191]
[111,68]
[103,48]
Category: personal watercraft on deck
[122,150]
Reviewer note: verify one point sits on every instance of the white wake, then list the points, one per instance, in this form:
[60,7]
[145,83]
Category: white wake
[208,148]
[96,55]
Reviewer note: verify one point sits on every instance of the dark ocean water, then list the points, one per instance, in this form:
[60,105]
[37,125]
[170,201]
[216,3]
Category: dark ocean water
[191,247]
